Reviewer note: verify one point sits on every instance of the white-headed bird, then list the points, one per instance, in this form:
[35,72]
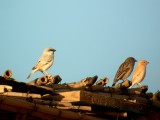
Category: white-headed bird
[45,61]
[124,70]
[139,73]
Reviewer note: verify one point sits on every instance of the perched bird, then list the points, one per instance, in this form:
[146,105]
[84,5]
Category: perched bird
[139,73]
[124,70]
[45,61]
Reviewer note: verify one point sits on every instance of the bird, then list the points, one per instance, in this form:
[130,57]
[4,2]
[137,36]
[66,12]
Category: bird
[45,62]
[124,70]
[139,73]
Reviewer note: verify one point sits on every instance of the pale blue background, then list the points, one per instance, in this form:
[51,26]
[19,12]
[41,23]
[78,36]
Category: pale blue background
[92,37]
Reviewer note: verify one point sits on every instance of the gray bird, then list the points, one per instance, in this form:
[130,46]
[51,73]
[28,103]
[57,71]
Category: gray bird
[45,61]
[124,70]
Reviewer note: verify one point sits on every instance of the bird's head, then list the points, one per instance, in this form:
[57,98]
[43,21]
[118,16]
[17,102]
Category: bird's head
[131,59]
[144,62]
[49,50]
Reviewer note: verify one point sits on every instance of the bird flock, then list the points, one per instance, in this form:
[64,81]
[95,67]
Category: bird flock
[126,68]
[124,71]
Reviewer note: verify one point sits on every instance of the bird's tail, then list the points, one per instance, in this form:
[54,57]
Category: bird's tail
[32,72]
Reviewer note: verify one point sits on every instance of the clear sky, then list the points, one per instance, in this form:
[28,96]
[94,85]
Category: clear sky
[91,37]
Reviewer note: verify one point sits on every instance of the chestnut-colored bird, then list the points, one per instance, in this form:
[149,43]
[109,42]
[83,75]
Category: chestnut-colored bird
[124,70]
[139,73]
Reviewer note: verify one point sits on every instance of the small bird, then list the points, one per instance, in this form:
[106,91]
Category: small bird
[124,70]
[45,61]
[139,73]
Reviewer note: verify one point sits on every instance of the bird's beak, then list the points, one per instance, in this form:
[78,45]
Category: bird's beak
[54,50]
[135,60]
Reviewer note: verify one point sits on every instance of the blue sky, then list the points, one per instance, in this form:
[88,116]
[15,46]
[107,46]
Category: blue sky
[92,37]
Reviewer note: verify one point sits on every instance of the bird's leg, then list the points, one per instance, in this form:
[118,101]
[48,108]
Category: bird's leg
[140,85]
[48,75]
[43,72]
[46,72]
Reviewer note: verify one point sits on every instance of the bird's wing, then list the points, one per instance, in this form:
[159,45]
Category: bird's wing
[40,64]
[137,73]
[122,70]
